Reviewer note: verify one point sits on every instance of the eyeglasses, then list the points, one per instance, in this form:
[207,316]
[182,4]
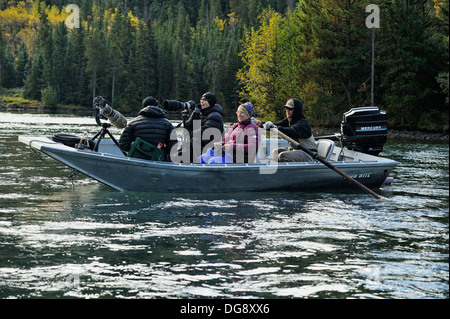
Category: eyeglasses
[289,109]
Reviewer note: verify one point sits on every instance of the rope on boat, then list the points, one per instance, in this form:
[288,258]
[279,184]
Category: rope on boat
[36,152]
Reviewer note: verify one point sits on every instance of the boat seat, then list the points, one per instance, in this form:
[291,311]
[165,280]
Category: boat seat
[325,148]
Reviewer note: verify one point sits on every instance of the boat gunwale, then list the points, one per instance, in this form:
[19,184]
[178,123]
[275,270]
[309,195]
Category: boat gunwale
[59,147]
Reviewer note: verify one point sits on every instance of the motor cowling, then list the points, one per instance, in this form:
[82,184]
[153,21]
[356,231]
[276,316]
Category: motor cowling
[364,129]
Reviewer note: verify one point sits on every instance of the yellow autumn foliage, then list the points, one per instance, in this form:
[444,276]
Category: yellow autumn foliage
[13,19]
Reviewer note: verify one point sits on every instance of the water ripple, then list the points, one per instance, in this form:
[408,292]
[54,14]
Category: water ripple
[92,242]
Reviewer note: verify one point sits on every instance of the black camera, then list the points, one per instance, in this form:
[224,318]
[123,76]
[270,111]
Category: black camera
[172,105]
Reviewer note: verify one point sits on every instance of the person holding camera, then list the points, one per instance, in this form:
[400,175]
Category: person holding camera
[151,126]
[297,127]
[210,114]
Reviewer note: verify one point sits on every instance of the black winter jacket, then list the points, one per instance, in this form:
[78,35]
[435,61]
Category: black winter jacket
[211,117]
[296,128]
[152,126]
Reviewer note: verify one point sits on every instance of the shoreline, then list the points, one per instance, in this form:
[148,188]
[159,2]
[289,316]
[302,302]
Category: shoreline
[392,133]
[417,135]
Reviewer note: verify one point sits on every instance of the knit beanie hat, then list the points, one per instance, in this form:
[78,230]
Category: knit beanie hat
[247,108]
[211,98]
[150,100]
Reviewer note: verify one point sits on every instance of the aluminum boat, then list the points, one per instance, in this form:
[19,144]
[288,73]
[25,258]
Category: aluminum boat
[110,166]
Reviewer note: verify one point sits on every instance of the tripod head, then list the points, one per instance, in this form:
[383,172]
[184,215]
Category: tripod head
[103,111]
[99,116]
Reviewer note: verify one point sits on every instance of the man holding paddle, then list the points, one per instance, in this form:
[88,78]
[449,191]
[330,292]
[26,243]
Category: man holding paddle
[297,127]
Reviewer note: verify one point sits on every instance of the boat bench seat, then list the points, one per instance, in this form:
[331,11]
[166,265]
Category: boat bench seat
[325,148]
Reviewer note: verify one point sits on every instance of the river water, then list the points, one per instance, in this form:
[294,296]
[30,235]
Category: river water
[71,237]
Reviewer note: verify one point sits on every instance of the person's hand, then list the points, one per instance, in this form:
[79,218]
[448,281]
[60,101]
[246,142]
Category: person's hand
[218,146]
[269,125]
[256,122]
[191,104]
[228,148]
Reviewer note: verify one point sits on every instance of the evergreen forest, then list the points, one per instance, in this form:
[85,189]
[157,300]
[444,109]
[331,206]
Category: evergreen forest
[262,51]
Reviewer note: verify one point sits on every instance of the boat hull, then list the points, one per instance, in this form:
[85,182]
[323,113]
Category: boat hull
[129,174]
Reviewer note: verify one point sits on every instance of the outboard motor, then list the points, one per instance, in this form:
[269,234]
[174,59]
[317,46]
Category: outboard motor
[364,129]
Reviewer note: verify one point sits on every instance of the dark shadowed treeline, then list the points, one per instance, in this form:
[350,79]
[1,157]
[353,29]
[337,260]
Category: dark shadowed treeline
[264,51]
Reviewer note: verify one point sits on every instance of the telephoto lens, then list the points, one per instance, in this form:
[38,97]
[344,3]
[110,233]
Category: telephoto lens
[115,117]
[176,106]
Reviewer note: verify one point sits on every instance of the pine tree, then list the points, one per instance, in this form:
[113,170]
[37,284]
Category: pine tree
[2,56]
[119,51]
[333,57]
[22,65]
[95,43]
[49,98]
[146,61]
[196,80]
[165,71]
[411,58]
[34,81]
[60,64]
[77,77]
[45,45]
[130,98]
[180,44]
[9,75]
[115,55]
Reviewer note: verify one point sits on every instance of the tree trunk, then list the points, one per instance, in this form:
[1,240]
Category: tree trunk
[94,88]
[112,90]
[327,107]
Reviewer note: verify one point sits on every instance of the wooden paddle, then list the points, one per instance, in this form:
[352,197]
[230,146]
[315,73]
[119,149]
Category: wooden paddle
[323,161]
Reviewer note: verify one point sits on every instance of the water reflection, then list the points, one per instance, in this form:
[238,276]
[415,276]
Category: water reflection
[94,242]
